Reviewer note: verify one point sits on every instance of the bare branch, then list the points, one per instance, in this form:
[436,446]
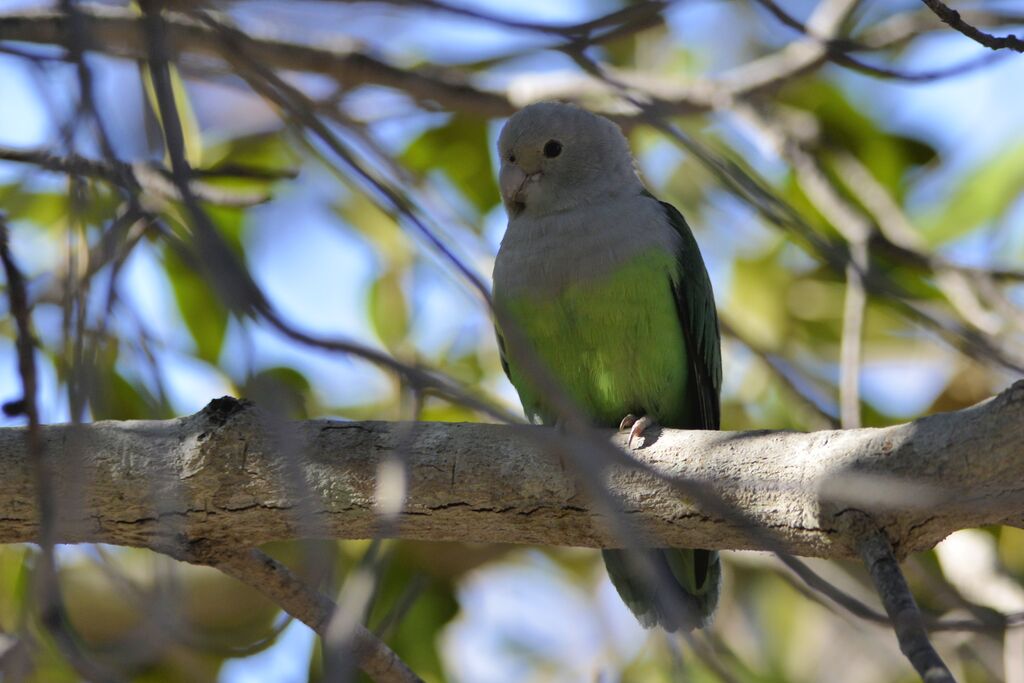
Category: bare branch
[899,603]
[40,474]
[147,177]
[897,29]
[952,18]
[257,569]
[838,51]
[120,32]
[851,343]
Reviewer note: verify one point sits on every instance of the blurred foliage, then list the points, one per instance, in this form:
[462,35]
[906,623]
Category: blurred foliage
[136,334]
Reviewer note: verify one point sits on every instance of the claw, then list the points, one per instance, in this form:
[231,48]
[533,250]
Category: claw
[627,422]
[638,427]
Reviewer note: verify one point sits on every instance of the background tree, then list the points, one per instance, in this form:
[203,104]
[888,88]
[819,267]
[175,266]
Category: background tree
[294,203]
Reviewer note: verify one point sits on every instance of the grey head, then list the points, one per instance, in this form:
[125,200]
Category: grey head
[555,157]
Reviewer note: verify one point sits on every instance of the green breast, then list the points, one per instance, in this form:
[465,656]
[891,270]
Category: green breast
[614,343]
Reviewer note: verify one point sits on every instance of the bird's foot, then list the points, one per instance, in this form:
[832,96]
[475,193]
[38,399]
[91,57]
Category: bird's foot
[636,426]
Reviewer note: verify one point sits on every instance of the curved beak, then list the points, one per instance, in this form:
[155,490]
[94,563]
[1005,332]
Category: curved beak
[511,180]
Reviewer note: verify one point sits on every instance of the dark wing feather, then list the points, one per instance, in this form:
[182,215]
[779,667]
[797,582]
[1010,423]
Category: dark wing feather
[502,353]
[698,317]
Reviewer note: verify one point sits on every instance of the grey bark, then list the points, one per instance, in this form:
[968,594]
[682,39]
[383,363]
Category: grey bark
[233,476]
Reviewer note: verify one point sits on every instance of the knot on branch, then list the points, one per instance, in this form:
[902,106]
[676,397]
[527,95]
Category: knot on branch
[220,410]
[220,435]
[1015,393]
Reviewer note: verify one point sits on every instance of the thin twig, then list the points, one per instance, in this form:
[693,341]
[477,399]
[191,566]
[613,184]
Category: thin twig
[851,342]
[833,595]
[838,51]
[784,374]
[953,19]
[47,589]
[897,29]
[120,32]
[145,176]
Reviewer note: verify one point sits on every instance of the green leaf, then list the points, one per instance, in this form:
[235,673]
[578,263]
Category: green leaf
[844,127]
[984,195]
[413,634]
[389,312]
[756,303]
[14,586]
[263,151]
[459,149]
[44,209]
[190,131]
[112,397]
[377,226]
[281,391]
[205,315]
[251,164]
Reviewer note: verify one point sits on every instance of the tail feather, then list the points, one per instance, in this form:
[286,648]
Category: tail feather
[684,594]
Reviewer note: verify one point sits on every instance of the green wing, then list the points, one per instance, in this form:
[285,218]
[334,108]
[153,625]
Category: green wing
[696,573]
[698,317]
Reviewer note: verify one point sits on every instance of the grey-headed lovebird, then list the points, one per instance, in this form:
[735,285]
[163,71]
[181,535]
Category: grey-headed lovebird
[607,285]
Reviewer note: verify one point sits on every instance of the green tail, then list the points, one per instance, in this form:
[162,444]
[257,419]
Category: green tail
[684,595]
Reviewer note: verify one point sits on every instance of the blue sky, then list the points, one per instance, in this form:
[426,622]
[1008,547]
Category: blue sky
[317,275]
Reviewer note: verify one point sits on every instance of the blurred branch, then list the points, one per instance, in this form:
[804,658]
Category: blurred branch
[817,588]
[638,14]
[491,483]
[241,53]
[897,29]
[257,569]
[785,374]
[838,51]
[40,475]
[956,283]
[120,32]
[148,177]
[906,618]
[112,249]
[851,343]
[953,19]
[855,227]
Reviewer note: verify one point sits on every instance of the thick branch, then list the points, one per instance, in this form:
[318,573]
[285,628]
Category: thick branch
[228,475]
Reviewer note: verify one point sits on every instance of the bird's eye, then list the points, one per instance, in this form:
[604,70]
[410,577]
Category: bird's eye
[552,148]
[511,158]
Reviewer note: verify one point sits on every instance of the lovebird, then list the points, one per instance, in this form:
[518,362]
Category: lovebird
[608,286]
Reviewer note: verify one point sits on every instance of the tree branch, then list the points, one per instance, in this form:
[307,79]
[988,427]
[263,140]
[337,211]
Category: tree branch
[954,20]
[257,569]
[147,176]
[120,32]
[223,482]
[902,609]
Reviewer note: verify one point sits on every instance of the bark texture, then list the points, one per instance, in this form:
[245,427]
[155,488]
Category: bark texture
[231,474]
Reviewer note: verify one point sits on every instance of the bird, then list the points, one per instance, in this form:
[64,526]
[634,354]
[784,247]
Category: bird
[608,286]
